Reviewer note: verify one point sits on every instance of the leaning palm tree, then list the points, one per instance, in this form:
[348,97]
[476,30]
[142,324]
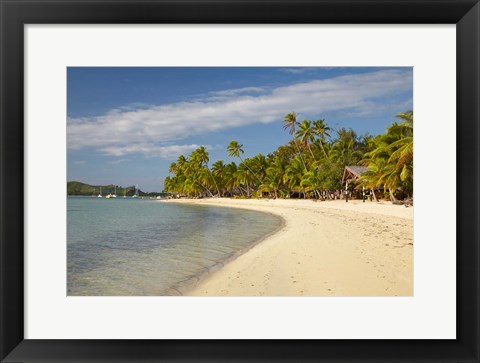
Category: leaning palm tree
[402,149]
[321,129]
[200,156]
[235,149]
[289,123]
[390,163]
[218,171]
[305,133]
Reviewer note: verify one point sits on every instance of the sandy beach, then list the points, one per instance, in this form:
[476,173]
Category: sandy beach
[330,248]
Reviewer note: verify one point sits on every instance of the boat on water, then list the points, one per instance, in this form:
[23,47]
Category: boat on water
[109,196]
[136,192]
[114,195]
[100,195]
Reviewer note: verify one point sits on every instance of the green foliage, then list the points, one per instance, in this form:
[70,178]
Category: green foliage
[311,162]
[390,162]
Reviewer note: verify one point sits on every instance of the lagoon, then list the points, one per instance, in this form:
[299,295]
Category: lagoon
[135,247]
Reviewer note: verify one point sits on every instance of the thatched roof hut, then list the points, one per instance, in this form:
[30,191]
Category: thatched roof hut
[352,173]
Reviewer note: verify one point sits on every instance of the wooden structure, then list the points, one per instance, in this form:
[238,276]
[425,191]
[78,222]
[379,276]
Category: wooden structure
[352,173]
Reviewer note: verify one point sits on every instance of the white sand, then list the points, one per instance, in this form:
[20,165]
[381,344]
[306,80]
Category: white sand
[330,248]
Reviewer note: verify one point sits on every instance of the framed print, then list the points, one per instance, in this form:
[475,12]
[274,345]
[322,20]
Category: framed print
[128,127]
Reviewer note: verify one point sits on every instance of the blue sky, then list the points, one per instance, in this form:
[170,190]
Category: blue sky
[126,125]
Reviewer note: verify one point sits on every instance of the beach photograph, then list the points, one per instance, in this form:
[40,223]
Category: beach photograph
[240,181]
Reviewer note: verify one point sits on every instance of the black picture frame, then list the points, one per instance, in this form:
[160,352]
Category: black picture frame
[17,13]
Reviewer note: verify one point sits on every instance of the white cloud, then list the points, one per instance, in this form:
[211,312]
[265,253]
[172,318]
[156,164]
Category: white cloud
[301,70]
[296,70]
[118,161]
[148,130]
[237,91]
[150,150]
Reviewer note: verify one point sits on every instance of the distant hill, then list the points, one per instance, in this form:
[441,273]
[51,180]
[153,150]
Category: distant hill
[79,188]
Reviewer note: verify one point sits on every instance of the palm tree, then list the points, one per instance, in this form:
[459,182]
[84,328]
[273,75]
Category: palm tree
[173,168]
[200,156]
[259,165]
[403,148]
[235,149]
[390,163]
[289,123]
[168,184]
[181,162]
[306,135]
[194,175]
[218,170]
[231,180]
[271,182]
[293,174]
[320,128]
[310,181]
[245,175]
[406,116]
[204,177]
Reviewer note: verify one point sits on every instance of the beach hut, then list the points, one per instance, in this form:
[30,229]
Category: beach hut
[350,174]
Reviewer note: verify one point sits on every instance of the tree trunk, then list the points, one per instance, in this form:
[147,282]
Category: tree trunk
[218,190]
[300,154]
[324,152]
[208,190]
[251,171]
[392,196]
[311,152]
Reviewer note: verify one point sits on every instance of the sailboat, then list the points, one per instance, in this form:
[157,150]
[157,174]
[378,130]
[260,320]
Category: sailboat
[136,192]
[114,195]
[100,195]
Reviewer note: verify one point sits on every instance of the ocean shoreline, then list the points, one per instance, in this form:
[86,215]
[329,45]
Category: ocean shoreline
[359,264]
[185,287]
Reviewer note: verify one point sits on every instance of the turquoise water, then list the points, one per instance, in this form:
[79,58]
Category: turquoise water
[146,247]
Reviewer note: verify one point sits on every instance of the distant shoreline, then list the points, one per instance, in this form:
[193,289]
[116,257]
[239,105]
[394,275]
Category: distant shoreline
[324,249]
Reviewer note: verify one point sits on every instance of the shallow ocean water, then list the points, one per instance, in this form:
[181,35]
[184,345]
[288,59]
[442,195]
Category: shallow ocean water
[135,247]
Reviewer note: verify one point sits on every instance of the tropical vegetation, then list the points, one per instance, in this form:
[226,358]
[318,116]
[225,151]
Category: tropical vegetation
[310,165]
